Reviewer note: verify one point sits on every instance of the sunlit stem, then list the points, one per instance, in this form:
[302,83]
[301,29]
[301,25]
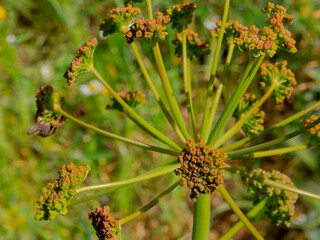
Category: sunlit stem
[274,152]
[151,204]
[152,174]
[236,127]
[240,153]
[187,85]
[149,6]
[146,126]
[156,94]
[219,91]
[239,213]
[250,215]
[169,92]
[274,183]
[234,100]
[201,218]
[270,129]
[117,137]
[213,73]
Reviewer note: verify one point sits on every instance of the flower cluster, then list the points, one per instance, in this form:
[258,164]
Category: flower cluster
[280,75]
[280,206]
[127,2]
[181,15]
[150,30]
[201,168]
[56,195]
[258,42]
[131,98]
[195,47]
[106,226]
[47,118]
[277,18]
[254,123]
[118,20]
[82,62]
[313,133]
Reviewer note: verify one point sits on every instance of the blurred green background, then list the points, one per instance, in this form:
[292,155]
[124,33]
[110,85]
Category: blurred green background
[37,42]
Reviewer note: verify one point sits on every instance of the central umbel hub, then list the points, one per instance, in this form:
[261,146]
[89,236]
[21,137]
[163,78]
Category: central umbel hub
[201,168]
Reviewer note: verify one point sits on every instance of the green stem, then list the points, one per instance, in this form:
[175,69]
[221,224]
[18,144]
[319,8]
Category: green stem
[151,204]
[149,5]
[152,174]
[151,130]
[219,91]
[240,153]
[201,218]
[236,127]
[239,225]
[187,85]
[156,94]
[231,105]
[238,212]
[213,73]
[276,151]
[168,91]
[117,137]
[275,126]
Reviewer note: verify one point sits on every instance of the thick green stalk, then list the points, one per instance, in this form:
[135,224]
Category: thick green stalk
[240,153]
[239,213]
[234,101]
[270,129]
[149,6]
[213,73]
[151,130]
[201,218]
[187,85]
[151,204]
[236,127]
[168,91]
[219,91]
[239,225]
[279,151]
[117,137]
[152,174]
[156,94]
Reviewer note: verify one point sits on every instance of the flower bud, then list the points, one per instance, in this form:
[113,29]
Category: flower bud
[181,15]
[133,99]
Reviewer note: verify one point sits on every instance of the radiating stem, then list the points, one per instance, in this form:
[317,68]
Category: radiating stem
[239,225]
[152,174]
[219,91]
[151,204]
[274,152]
[270,129]
[239,213]
[234,101]
[279,140]
[236,127]
[201,218]
[168,91]
[151,130]
[156,94]
[214,71]
[117,137]
[187,85]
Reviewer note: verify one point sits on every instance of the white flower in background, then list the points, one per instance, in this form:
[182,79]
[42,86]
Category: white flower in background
[46,71]
[92,88]
[11,39]
[210,22]
[101,35]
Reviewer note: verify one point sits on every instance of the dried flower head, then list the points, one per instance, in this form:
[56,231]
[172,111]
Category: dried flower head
[127,2]
[277,18]
[47,117]
[280,206]
[106,226]
[82,62]
[280,75]
[56,195]
[118,20]
[150,30]
[133,99]
[254,123]
[195,47]
[181,15]
[201,168]
[313,133]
